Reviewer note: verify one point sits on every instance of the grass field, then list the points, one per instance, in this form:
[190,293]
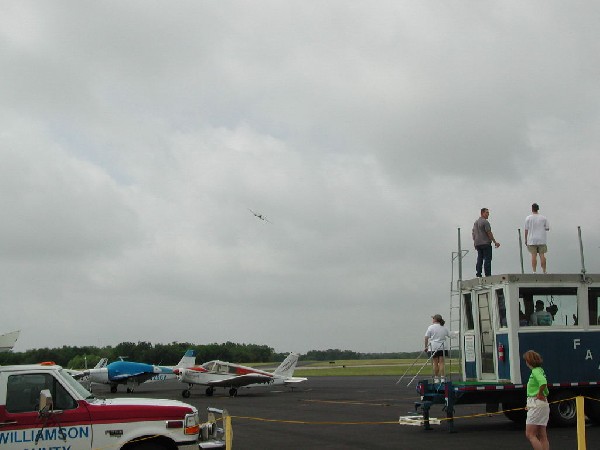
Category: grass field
[368,367]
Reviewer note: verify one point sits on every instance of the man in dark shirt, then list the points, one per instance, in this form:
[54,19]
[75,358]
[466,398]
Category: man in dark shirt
[482,239]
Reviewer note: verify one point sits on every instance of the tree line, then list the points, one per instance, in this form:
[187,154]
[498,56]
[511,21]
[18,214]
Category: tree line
[170,354]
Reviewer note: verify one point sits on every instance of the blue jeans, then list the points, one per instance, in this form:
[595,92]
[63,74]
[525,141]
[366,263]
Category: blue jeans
[484,258]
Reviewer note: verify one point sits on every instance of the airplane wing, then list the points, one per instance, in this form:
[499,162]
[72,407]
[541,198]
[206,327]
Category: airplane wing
[241,380]
[139,378]
[294,380]
[75,373]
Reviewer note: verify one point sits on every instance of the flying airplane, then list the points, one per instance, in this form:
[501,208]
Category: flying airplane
[233,376]
[8,340]
[260,216]
[133,374]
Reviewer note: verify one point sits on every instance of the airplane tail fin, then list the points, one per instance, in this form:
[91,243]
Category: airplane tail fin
[188,360]
[102,363]
[287,367]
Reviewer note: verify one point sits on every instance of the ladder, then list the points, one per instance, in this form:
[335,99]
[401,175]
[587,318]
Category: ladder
[455,373]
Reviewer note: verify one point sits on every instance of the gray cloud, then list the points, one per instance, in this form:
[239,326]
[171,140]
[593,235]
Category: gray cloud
[137,135]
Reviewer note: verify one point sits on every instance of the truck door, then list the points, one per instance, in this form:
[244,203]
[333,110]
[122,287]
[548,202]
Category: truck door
[21,425]
[486,331]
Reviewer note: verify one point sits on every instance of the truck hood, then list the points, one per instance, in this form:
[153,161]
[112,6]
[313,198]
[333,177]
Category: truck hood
[132,409]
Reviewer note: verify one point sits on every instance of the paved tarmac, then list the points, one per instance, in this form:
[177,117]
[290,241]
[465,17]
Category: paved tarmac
[351,413]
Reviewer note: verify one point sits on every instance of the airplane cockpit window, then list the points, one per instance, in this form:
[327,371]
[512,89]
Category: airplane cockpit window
[553,307]
[594,305]
[210,366]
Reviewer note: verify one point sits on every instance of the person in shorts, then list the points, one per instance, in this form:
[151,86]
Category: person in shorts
[538,409]
[435,345]
[536,227]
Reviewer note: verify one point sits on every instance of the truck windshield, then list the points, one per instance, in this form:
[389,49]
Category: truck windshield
[75,385]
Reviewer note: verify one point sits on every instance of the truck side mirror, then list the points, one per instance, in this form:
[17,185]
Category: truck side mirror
[45,402]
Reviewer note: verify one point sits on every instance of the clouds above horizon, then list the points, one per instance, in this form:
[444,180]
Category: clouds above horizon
[137,135]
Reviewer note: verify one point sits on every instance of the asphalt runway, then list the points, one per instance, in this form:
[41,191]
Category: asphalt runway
[351,413]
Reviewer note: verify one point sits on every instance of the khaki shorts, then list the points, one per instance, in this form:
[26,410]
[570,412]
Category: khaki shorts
[538,412]
[541,249]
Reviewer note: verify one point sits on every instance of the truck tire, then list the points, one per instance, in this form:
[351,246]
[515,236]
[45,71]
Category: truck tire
[515,411]
[150,445]
[563,412]
[592,408]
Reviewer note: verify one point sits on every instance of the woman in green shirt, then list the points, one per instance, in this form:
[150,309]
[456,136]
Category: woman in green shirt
[538,410]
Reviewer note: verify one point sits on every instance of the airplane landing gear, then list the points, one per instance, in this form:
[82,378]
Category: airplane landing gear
[129,390]
[113,389]
[233,392]
[210,391]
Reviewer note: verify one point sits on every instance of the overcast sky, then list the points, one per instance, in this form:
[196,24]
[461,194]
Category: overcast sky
[135,137]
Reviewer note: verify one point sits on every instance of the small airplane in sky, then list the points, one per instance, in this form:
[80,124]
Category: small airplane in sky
[133,374]
[233,376]
[260,216]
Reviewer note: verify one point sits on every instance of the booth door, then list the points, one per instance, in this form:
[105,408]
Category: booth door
[488,369]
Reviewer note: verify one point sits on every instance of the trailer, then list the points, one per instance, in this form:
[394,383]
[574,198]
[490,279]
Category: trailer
[495,323]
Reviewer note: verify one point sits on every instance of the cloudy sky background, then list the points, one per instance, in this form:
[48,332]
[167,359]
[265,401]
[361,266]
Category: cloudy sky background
[136,135]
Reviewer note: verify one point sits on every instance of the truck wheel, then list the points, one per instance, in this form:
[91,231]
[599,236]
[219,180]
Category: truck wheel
[563,412]
[592,408]
[186,393]
[210,391]
[113,389]
[150,445]
[515,411]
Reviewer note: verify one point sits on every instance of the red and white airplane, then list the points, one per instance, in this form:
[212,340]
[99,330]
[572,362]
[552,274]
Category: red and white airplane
[233,376]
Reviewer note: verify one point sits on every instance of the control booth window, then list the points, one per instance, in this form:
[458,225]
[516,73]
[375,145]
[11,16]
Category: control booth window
[469,312]
[553,307]
[594,305]
[501,307]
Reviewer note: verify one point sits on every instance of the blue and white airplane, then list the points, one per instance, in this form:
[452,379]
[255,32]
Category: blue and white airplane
[132,374]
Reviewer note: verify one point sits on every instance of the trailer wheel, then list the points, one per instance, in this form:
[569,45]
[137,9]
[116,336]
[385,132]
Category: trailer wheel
[592,408]
[515,411]
[563,412]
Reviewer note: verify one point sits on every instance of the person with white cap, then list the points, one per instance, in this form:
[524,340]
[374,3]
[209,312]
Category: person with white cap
[435,344]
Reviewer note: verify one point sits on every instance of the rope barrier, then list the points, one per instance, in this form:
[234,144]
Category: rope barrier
[395,422]
[391,422]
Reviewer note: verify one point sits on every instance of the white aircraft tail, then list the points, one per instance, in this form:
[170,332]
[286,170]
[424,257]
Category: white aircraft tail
[287,367]
[7,341]
[102,363]
[188,360]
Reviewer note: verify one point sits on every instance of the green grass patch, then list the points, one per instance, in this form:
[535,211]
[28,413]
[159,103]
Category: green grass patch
[374,367]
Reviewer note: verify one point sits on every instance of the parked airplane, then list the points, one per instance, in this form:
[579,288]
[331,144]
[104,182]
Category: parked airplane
[133,374]
[233,376]
[8,340]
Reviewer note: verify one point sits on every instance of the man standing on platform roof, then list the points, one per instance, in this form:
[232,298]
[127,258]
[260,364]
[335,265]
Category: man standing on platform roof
[482,239]
[536,227]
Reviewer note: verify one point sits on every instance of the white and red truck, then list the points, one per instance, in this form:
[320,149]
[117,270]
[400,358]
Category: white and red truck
[42,407]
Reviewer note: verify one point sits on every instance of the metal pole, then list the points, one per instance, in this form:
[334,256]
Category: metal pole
[459,260]
[459,289]
[521,251]
[581,250]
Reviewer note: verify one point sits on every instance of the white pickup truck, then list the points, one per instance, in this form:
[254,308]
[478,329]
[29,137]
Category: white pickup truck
[42,407]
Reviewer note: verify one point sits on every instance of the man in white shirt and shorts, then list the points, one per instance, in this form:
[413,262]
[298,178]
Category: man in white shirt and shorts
[536,227]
